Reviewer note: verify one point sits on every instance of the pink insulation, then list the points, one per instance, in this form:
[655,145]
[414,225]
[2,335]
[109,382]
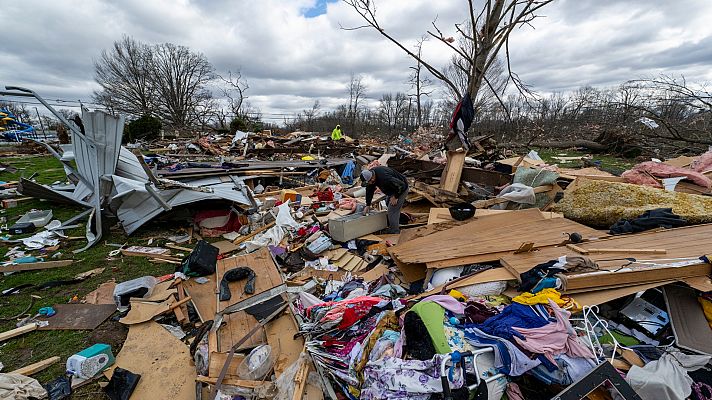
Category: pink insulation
[639,176]
[702,163]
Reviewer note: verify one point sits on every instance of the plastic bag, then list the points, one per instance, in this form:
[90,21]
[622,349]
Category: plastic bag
[518,193]
[257,364]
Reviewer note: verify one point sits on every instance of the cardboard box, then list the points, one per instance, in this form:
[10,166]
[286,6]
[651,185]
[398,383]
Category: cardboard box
[356,225]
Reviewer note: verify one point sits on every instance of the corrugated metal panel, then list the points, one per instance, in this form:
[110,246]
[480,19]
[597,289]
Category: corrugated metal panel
[129,166]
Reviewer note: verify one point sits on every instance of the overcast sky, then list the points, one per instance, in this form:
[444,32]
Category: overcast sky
[293,52]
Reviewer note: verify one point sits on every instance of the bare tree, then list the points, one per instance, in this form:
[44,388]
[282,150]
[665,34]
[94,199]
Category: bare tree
[357,90]
[180,78]
[234,88]
[486,34]
[419,81]
[310,115]
[124,75]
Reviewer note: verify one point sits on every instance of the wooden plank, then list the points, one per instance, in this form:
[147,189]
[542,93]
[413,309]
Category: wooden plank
[685,242]
[203,297]
[491,275]
[17,332]
[237,324]
[230,381]
[701,283]
[141,251]
[217,360]
[163,361]
[253,234]
[36,266]
[452,173]
[493,234]
[596,297]
[36,367]
[627,251]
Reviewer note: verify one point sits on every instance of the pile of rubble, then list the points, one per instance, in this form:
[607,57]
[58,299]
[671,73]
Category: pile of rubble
[560,283]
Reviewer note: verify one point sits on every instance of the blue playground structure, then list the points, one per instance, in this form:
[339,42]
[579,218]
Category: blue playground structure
[13,130]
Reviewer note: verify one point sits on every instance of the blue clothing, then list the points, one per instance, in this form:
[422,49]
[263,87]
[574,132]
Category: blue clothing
[508,359]
[347,176]
[514,315]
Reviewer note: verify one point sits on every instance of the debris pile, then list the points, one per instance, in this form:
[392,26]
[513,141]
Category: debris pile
[295,274]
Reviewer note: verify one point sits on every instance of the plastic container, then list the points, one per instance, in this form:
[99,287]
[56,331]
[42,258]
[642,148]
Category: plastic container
[89,362]
[139,287]
[38,218]
[257,364]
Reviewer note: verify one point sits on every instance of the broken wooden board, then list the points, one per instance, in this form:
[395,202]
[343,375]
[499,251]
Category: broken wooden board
[493,234]
[164,363]
[217,360]
[411,272]
[142,311]
[17,332]
[78,316]
[34,368]
[141,251]
[450,179]
[685,242]
[592,298]
[104,294]
[202,296]
[237,324]
[225,246]
[701,283]
[36,266]
[161,292]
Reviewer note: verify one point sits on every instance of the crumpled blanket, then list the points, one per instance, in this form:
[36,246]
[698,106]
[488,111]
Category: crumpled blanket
[19,387]
[639,174]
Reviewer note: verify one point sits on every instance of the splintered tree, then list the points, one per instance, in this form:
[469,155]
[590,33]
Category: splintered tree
[482,38]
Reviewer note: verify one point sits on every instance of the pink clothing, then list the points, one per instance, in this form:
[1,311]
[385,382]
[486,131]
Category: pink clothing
[553,338]
[447,302]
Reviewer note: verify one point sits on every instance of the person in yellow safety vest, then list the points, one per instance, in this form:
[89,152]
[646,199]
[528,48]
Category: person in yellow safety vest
[336,133]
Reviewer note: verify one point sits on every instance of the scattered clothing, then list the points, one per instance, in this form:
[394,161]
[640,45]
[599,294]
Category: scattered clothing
[515,315]
[666,378]
[396,379]
[509,359]
[19,387]
[534,279]
[543,297]
[554,338]
[651,219]
[432,314]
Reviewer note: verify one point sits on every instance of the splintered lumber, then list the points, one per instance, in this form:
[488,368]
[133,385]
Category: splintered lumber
[452,173]
[36,367]
[17,332]
[627,251]
[36,266]
[252,234]
[493,234]
[682,244]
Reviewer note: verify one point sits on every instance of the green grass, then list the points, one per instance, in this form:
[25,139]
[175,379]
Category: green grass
[39,345]
[609,163]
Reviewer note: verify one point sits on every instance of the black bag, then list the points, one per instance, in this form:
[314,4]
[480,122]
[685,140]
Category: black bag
[201,261]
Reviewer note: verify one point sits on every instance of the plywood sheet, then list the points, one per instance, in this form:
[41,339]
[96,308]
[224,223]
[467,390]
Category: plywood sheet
[163,362]
[144,311]
[162,291]
[203,297]
[237,324]
[225,246]
[104,294]
[493,234]
[78,316]
[596,297]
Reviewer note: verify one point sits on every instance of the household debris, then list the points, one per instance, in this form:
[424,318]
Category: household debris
[510,275]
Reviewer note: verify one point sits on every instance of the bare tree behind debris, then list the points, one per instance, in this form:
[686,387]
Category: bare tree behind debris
[392,110]
[180,77]
[485,34]
[420,82]
[357,90]
[124,74]
[164,80]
